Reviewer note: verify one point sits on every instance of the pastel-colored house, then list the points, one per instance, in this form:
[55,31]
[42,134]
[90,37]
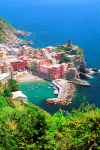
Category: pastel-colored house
[19,96]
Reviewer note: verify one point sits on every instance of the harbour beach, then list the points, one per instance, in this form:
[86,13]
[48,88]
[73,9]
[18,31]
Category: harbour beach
[28,77]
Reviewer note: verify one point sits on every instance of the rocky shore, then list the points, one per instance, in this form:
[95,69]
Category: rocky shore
[20,33]
[15,42]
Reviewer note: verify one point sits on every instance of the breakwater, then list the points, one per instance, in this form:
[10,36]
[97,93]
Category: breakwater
[65,92]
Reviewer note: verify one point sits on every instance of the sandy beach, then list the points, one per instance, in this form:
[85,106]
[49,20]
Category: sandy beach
[27,77]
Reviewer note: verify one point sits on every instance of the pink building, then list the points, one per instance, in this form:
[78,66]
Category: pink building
[59,55]
[10,69]
[44,70]
[52,71]
[64,68]
[43,65]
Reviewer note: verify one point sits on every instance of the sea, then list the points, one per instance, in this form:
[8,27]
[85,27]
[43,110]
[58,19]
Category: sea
[51,22]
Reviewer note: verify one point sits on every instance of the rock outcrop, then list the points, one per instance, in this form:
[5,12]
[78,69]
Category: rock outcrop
[95,70]
[82,67]
[20,33]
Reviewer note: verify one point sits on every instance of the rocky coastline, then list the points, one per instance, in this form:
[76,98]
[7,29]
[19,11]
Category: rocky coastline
[16,42]
[20,33]
[81,67]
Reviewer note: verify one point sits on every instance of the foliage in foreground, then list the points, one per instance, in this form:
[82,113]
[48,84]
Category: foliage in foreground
[5,97]
[13,85]
[31,128]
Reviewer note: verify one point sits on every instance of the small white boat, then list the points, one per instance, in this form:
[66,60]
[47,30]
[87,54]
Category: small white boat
[54,88]
[35,96]
[49,87]
[55,91]
[50,84]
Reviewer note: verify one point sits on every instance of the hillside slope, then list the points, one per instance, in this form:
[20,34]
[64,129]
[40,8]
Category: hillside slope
[28,127]
[9,35]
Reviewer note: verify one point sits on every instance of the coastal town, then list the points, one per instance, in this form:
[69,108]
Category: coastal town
[63,65]
[54,64]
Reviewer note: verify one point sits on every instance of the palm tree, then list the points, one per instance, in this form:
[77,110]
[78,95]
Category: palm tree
[57,43]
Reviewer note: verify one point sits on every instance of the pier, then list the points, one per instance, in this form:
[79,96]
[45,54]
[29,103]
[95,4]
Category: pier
[65,92]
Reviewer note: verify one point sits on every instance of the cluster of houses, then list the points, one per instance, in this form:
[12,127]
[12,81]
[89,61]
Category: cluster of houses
[42,60]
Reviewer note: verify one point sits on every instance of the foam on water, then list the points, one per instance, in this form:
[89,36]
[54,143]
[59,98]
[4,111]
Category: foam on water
[91,72]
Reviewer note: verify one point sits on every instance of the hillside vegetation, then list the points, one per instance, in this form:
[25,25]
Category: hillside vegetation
[7,24]
[6,31]
[27,127]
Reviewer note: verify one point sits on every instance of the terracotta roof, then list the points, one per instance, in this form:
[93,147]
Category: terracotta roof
[36,55]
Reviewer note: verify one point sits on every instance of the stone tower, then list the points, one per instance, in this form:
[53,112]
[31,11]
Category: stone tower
[69,43]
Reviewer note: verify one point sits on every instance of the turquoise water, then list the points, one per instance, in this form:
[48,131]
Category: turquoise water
[42,93]
[56,21]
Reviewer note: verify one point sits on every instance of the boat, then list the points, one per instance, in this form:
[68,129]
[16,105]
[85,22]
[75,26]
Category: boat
[55,91]
[28,90]
[50,84]
[39,86]
[36,87]
[49,87]
[54,88]
[24,92]
[35,96]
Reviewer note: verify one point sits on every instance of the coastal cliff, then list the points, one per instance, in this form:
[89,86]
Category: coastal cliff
[9,35]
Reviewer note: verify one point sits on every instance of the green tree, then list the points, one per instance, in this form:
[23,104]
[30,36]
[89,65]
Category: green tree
[61,60]
[66,48]
[13,85]
[3,102]
[57,43]
[7,92]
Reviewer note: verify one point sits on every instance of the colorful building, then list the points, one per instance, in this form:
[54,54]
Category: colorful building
[18,64]
[60,55]
[52,71]
[2,68]
[57,71]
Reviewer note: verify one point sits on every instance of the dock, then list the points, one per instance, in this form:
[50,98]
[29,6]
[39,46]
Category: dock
[65,92]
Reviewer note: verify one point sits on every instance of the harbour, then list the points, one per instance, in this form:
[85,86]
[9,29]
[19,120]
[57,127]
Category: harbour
[39,93]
